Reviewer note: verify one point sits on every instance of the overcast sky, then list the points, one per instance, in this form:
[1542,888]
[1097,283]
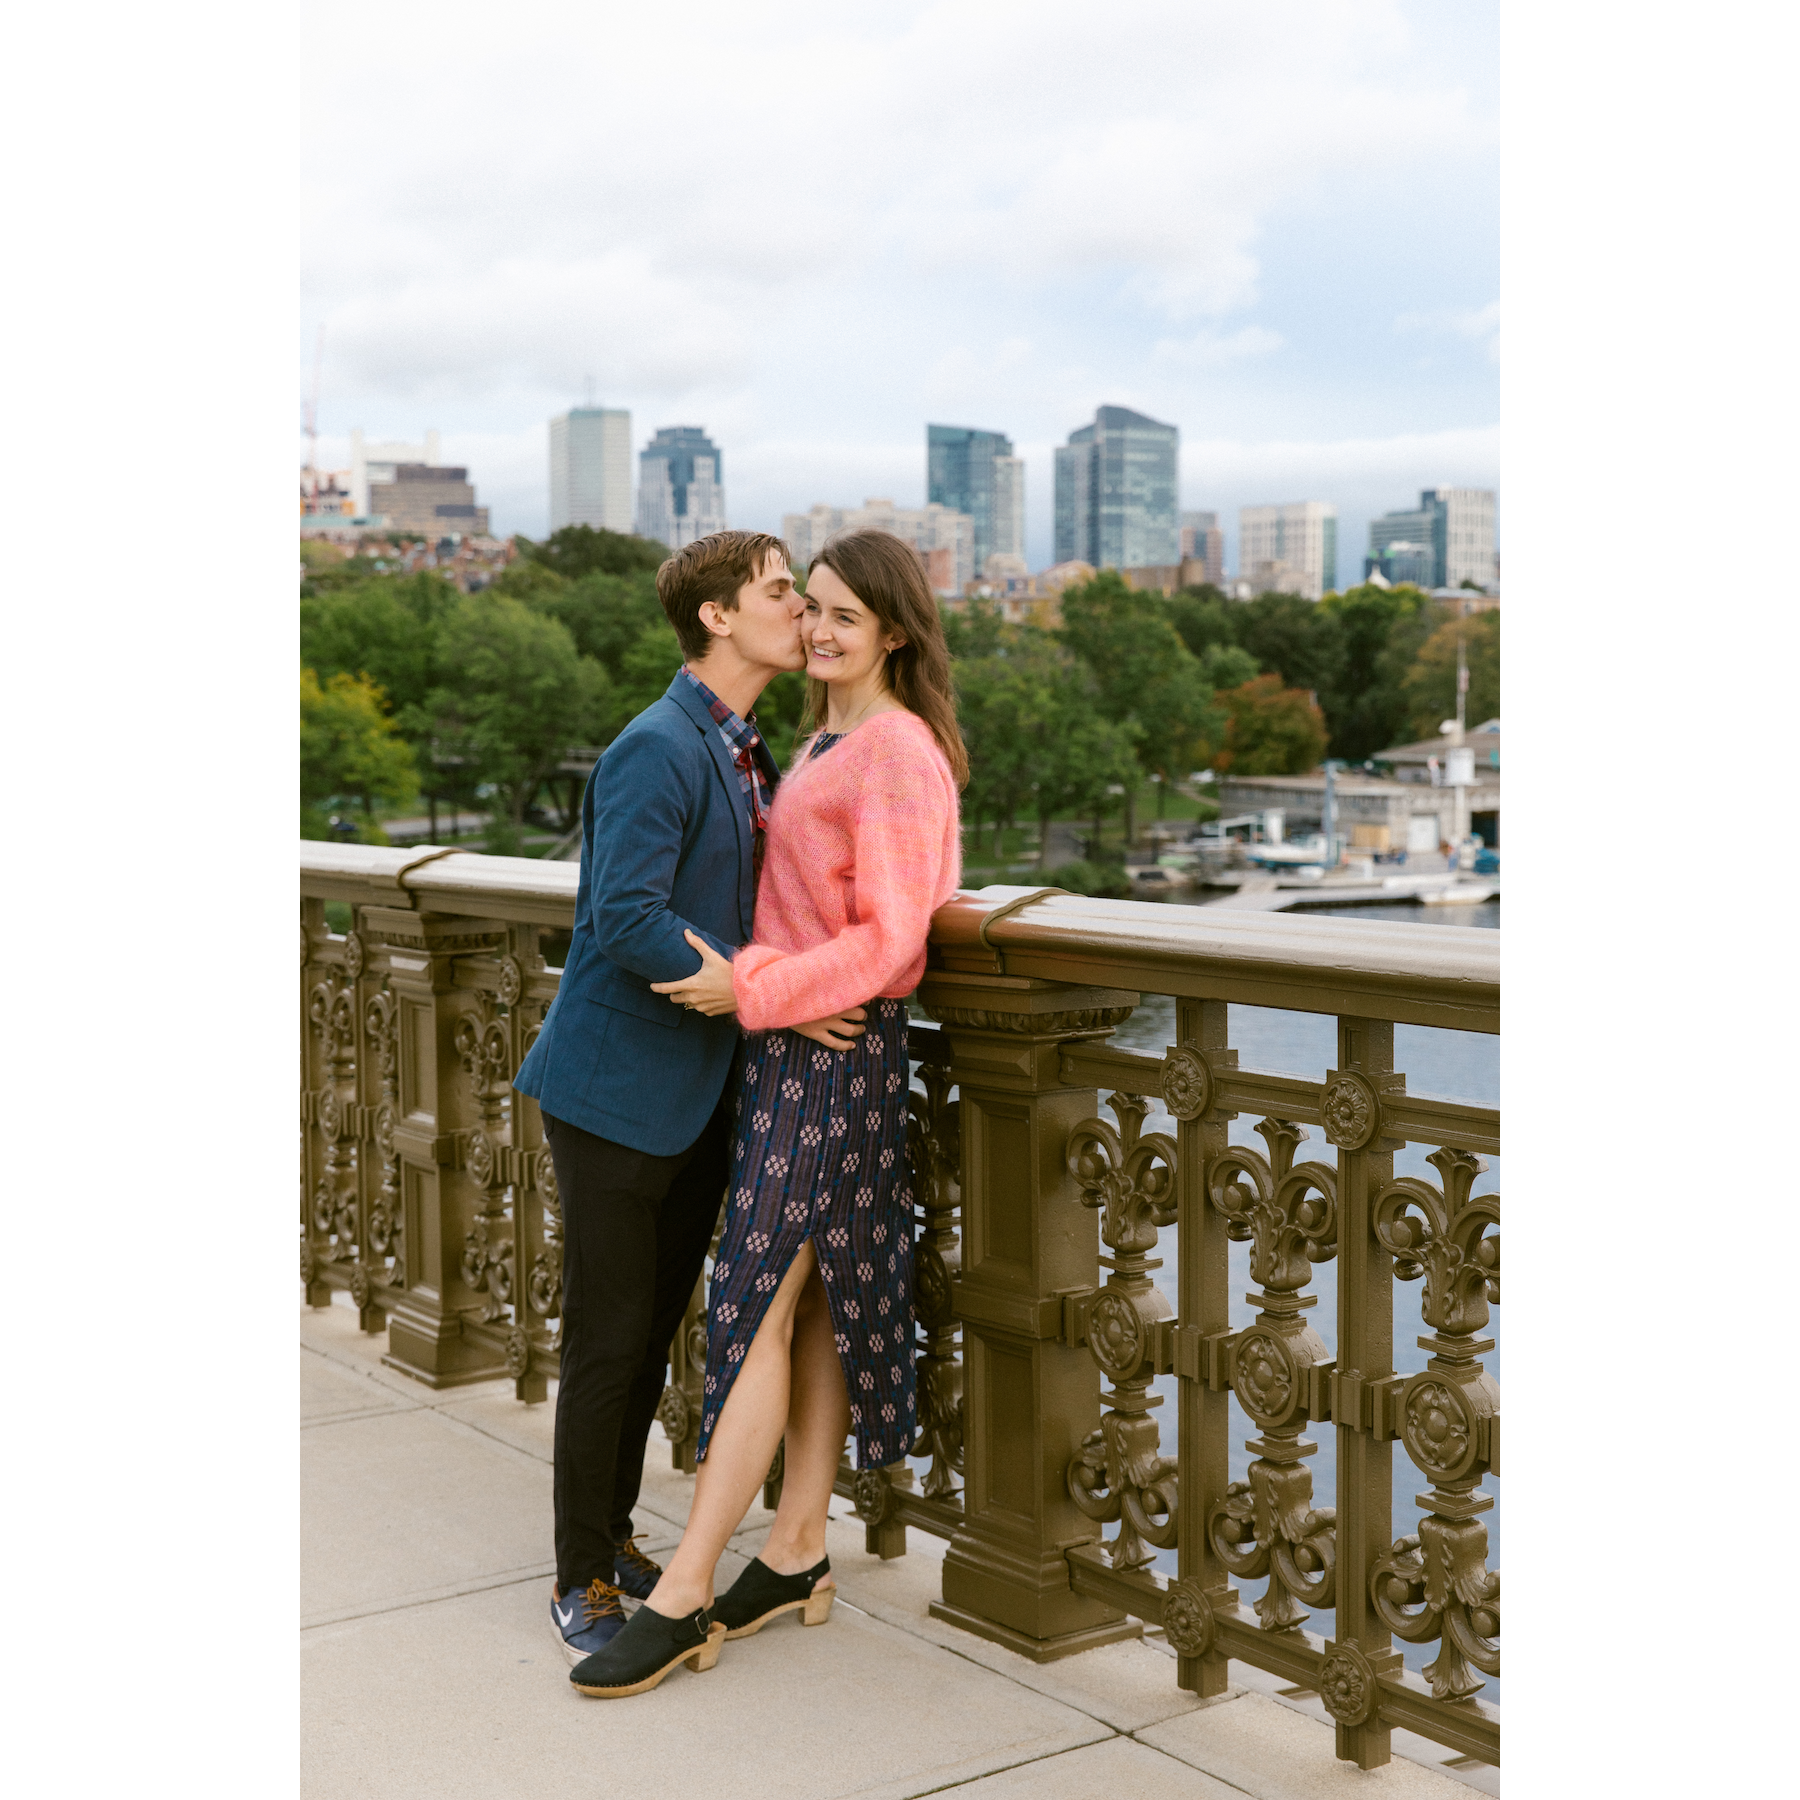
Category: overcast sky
[812,226]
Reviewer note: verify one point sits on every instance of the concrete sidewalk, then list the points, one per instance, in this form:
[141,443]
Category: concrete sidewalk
[430,1667]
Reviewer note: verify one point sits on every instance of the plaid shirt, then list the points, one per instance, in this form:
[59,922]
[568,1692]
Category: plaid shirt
[756,769]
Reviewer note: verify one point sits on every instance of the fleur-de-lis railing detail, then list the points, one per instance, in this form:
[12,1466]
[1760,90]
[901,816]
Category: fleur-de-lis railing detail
[934,1148]
[336,1215]
[1436,1584]
[545,1285]
[385,1252]
[1268,1525]
[484,1044]
[1119,1472]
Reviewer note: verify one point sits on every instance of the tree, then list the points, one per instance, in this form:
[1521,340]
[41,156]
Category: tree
[999,697]
[516,696]
[974,629]
[1204,618]
[1273,730]
[779,713]
[578,550]
[647,668]
[1143,676]
[1381,630]
[350,750]
[1429,685]
[605,614]
[1293,637]
[385,627]
[1226,666]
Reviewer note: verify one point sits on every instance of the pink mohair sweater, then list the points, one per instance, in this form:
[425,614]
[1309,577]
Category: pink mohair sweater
[870,825]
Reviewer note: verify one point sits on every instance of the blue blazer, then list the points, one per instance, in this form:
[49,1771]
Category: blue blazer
[666,845]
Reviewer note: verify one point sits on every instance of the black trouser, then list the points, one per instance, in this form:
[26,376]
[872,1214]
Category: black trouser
[636,1229]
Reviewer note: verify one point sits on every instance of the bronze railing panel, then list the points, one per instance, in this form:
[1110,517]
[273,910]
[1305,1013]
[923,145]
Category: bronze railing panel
[1041,1190]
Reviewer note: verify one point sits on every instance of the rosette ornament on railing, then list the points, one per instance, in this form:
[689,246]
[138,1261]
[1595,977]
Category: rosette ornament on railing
[934,1148]
[1118,1472]
[1437,1585]
[1268,1525]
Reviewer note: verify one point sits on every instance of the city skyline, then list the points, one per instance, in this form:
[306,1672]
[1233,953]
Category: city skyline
[1449,537]
[1215,257]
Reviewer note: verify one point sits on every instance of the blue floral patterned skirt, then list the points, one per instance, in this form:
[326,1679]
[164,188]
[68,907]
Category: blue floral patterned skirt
[820,1152]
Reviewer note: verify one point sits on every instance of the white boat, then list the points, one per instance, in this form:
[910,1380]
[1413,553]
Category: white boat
[1461,893]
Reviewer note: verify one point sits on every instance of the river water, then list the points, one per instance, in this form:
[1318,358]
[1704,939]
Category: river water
[1446,1065]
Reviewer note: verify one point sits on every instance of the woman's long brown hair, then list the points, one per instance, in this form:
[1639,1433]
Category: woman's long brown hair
[888,576]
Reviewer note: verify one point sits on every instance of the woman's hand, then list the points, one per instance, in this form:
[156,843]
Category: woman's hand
[707,992]
[840,1031]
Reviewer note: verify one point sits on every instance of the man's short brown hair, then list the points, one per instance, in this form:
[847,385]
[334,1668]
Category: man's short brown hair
[711,568]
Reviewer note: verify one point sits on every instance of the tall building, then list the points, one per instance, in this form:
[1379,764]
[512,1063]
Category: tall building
[1203,542]
[681,493]
[435,502]
[945,539]
[1116,492]
[1289,548]
[1009,512]
[975,472]
[377,462]
[1455,526]
[1403,560]
[590,468]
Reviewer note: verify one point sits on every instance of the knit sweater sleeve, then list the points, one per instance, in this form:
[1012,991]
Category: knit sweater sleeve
[900,829]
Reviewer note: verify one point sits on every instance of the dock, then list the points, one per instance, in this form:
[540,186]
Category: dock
[1278,893]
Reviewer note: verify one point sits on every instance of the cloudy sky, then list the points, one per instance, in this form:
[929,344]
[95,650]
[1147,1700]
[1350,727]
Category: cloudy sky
[811,226]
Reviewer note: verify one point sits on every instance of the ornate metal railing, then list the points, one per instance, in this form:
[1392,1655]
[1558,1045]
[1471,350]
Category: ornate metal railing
[427,1194]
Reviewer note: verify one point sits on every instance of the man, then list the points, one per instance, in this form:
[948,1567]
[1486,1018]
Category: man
[635,1090]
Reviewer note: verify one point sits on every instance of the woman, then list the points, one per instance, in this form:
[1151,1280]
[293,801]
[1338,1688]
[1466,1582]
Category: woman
[809,1332]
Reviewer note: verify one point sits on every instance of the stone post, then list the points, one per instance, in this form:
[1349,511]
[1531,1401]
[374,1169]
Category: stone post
[1030,1395]
[444,1153]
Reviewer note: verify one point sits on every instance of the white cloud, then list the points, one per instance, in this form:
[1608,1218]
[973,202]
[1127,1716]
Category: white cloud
[593,173]
[1341,468]
[1210,349]
[810,226]
[1477,324]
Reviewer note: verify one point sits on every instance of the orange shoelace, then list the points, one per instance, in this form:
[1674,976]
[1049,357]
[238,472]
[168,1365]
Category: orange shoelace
[601,1601]
[635,1559]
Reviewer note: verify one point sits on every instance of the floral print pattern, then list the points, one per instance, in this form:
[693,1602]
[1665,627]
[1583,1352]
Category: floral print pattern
[820,1152]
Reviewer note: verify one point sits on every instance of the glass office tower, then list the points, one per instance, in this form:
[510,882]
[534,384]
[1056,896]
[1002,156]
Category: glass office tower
[1116,492]
[681,487]
[975,472]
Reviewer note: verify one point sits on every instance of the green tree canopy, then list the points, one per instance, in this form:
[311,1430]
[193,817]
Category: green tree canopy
[1226,666]
[647,668]
[1204,617]
[1380,630]
[386,627]
[1429,685]
[1295,638]
[1000,696]
[1143,675]
[350,750]
[1273,730]
[606,614]
[578,550]
[515,695]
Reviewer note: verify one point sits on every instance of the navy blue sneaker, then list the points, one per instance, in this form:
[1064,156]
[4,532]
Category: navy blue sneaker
[635,1573]
[587,1622]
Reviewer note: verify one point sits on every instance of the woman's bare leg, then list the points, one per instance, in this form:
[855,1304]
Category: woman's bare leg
[818,1421]
[740,1450]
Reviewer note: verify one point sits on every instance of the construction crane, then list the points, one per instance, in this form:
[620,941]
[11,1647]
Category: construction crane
[312,417]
